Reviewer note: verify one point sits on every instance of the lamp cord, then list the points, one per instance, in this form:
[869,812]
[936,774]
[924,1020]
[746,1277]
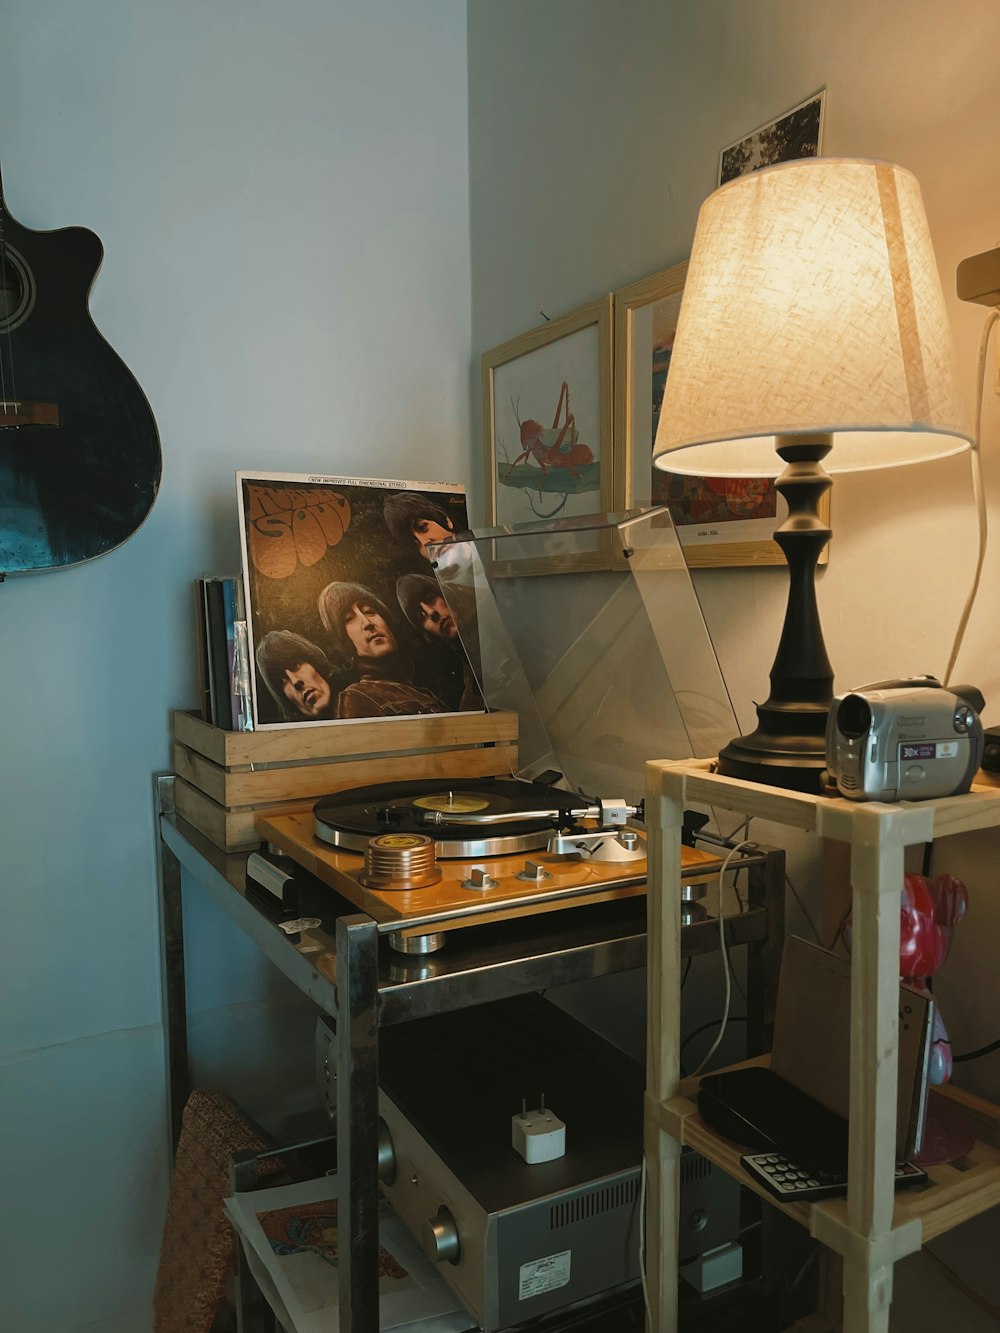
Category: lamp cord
[977,491]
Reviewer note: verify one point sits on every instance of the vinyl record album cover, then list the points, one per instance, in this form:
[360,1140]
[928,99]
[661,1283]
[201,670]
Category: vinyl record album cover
[290,1240]
[345,617]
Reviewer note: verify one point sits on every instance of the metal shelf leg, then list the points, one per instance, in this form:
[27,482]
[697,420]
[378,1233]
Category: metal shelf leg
[357,1121]
[168,877]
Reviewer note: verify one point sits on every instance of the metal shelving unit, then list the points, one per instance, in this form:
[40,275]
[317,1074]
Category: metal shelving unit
[347,968]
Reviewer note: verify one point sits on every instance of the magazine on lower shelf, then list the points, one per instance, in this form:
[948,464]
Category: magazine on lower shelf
[290,1239]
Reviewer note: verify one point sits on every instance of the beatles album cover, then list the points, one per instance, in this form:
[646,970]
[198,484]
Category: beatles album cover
[345,616]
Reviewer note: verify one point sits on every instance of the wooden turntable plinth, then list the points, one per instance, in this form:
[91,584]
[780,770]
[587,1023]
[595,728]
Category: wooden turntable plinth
[572,881]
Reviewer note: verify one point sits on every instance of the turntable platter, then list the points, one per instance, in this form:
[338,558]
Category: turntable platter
[468,817]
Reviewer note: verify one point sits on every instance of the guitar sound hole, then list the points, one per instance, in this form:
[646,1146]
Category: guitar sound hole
[17,289]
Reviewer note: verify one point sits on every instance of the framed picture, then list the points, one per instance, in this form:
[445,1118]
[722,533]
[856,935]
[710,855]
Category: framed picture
[547,425]
[344,615]
[720,521]
[796,133]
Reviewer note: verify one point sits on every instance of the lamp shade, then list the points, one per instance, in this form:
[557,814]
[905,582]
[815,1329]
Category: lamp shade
[812,304]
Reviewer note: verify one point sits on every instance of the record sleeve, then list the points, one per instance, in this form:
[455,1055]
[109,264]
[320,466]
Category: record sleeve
[345,618]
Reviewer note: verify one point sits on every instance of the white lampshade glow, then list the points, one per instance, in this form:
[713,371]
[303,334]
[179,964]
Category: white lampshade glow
[812,305]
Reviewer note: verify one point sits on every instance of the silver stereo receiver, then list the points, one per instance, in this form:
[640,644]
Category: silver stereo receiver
[904,740]
[517,1238]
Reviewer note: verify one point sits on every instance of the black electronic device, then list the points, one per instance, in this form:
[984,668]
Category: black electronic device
[759,1109]
[790,1182]
[801,1145]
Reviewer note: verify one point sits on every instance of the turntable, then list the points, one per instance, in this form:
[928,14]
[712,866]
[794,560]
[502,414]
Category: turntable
[427,856]
[602,673]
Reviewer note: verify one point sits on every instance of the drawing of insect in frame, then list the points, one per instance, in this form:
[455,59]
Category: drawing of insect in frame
[547,426]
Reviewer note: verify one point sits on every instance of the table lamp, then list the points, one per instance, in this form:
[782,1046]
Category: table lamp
[813,323]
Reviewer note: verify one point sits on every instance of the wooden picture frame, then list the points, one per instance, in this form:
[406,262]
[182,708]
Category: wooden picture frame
[721,522]
[548,428]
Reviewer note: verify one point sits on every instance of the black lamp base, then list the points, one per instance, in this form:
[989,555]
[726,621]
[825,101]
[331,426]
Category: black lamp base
[796,762]
[788,748]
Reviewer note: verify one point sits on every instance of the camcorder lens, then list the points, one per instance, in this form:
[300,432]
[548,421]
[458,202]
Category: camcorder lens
[854,717]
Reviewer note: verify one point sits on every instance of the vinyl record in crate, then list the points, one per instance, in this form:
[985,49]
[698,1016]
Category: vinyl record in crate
[467,817]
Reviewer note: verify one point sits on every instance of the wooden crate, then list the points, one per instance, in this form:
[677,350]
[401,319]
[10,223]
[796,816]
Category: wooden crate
[225,779]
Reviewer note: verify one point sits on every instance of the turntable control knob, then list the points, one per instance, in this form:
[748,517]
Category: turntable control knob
[440,1237]
[533,872]
[479,879]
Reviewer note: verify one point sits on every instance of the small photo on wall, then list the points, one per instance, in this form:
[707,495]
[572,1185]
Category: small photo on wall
[345,616]
[796,133]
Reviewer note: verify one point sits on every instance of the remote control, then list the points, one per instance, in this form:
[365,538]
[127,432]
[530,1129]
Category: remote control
[790,1182]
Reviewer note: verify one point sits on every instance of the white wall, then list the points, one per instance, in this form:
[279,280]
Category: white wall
[595,130]
[282,196]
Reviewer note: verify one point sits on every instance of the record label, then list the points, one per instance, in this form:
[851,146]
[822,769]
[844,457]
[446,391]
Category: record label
[452,803]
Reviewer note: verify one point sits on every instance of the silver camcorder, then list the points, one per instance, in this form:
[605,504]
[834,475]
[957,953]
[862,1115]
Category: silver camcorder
[904,740]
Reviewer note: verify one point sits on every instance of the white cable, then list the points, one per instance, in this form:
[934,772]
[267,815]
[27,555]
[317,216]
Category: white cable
[977,491]
[725,958]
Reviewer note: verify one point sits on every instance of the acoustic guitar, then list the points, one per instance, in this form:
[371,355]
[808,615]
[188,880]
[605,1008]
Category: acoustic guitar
[79,448]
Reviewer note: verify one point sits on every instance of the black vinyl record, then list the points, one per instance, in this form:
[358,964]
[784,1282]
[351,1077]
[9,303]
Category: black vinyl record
[466,816]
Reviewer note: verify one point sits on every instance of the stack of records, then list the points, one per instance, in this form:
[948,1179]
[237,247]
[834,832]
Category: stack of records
[223,662]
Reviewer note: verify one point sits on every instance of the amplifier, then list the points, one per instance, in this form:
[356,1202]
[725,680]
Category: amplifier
[515,1239]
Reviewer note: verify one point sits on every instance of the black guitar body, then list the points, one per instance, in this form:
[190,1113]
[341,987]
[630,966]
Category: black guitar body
[79,448]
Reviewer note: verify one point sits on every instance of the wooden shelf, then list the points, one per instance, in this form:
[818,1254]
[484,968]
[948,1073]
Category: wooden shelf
[874,1226]
[956,1192]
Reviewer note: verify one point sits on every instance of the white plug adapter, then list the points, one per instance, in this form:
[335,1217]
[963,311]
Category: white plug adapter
[539,1136]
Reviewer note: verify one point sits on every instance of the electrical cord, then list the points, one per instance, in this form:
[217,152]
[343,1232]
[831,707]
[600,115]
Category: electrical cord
[739,989]
[978,1054]
[744,828]
[977,491]
[725,957]
[733,1018]
[706,1027]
